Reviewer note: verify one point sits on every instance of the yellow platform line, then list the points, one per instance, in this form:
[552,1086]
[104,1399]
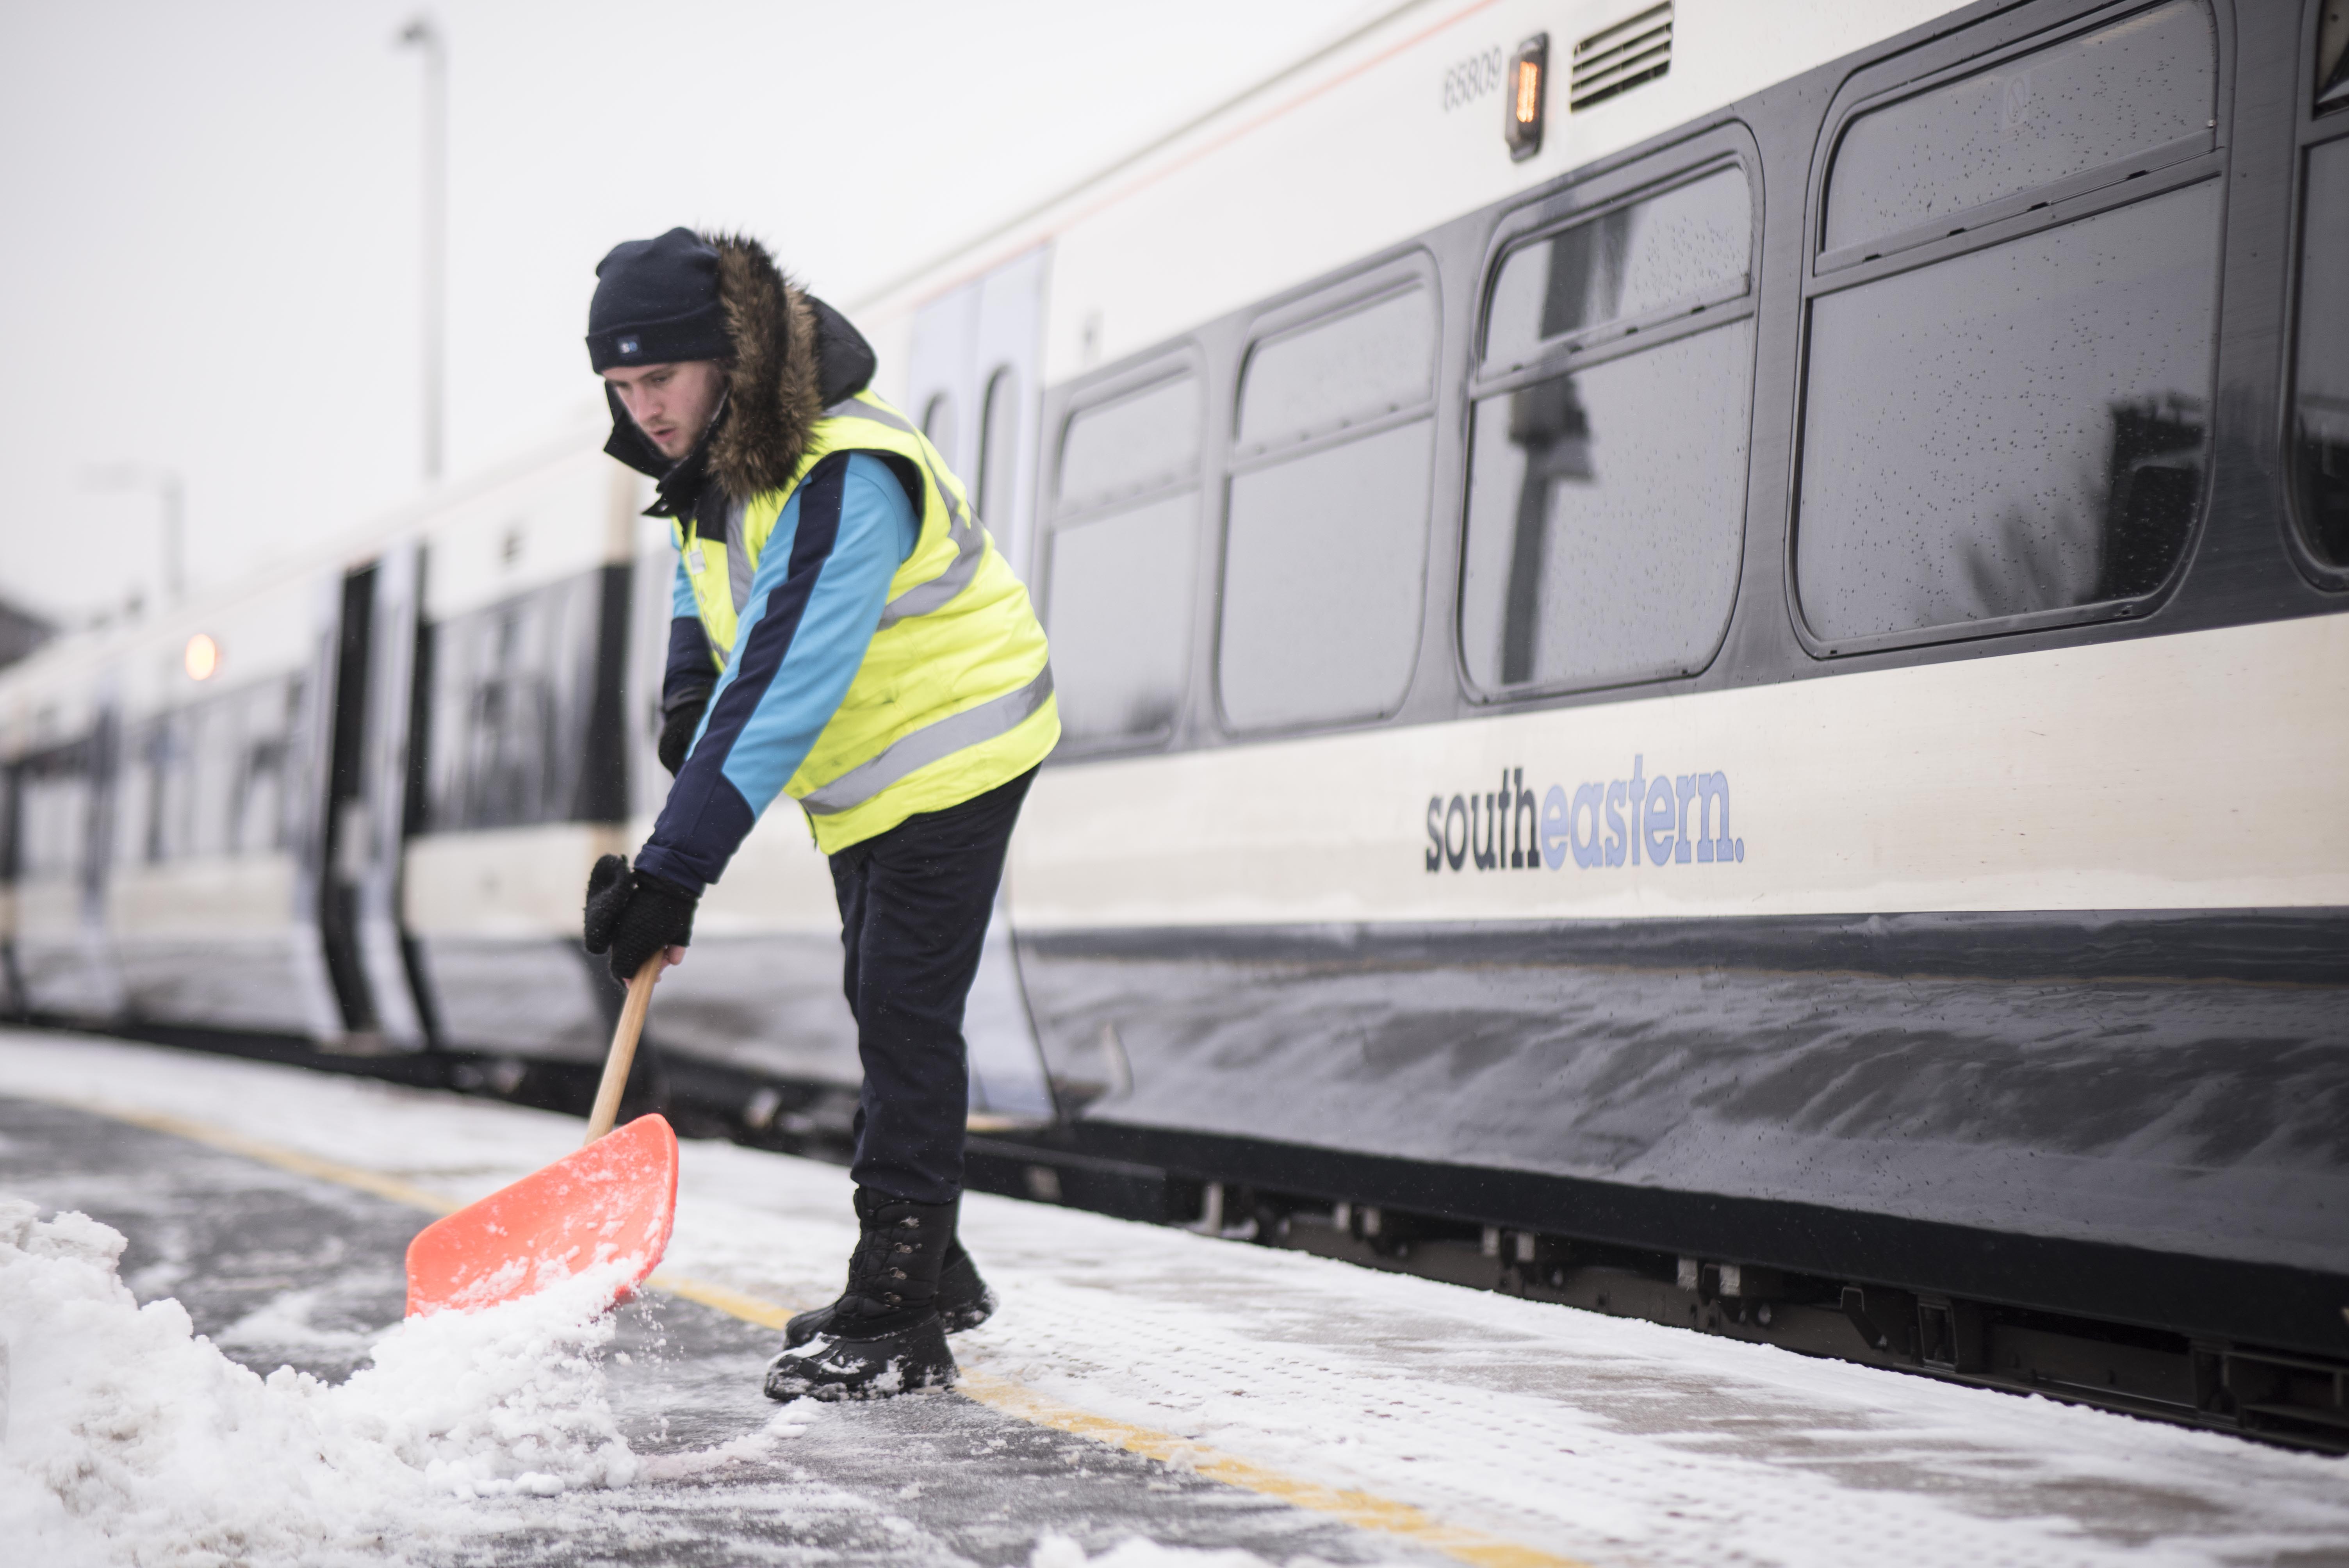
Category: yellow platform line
[284,1159]
[1362,1510]
[732,1302]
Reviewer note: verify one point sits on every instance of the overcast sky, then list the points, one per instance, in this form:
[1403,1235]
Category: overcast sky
[211,212]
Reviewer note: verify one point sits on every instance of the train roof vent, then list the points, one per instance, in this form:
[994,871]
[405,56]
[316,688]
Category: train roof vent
[1618,58]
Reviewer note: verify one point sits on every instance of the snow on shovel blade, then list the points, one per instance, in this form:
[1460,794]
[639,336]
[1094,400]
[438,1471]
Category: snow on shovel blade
[612,1201]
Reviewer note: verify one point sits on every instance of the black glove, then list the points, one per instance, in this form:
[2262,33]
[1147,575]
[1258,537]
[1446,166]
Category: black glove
[677,725]
[635,914]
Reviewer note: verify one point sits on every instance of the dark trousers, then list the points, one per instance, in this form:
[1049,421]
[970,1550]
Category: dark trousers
[914,907]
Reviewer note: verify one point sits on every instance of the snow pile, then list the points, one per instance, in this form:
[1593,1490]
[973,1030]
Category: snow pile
[124,1436]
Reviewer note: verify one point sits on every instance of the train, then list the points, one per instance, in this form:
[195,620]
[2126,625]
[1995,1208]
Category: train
[1704,657]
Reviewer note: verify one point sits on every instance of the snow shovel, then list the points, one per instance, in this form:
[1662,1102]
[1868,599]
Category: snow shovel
[613,1201]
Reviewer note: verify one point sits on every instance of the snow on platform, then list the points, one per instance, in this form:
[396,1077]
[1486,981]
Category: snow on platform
[1138,1382]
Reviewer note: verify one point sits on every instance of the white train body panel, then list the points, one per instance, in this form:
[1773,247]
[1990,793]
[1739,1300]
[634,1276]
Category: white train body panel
[1993,784]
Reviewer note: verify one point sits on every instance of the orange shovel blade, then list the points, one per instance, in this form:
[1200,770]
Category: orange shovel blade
[612,1200]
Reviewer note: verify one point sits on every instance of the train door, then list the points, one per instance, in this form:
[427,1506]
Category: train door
[974,382]
[938,371]
[369,670]
[309,771]
[384,952]
[340,842]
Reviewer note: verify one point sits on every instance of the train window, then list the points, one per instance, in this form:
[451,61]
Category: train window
[1120,601]
[1675,254]
[2321,396]
[1136,444]
[2014,423]
[998,449]
[54,798]
[2333,56]
[1606,488]
[1325,553]
[1375,360]
[2017,430]
[1324,566]
[138,804]
[1117,582]
[939,423]
[512,690]
[2088,111]
[211,777]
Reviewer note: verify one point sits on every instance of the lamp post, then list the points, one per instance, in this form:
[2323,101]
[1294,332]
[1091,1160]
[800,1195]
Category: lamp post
[420,34]
[172,492]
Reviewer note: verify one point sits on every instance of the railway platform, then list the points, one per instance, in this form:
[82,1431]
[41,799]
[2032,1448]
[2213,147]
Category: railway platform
[1144,1394]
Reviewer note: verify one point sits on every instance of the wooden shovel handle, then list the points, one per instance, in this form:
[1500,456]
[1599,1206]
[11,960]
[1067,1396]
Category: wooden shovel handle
[624,1047]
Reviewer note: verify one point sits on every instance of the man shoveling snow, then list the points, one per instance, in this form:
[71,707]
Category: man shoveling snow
[846,632]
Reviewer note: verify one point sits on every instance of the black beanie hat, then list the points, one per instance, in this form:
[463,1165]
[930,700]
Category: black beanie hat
[657,302]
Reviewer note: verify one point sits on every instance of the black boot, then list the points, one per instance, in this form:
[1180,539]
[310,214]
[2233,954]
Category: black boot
[964,1301]
[884,1336]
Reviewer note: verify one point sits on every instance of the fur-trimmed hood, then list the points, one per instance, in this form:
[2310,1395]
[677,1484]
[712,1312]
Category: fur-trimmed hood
[793,358]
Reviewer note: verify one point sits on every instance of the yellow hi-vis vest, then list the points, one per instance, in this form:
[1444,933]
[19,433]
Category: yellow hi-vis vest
[955,693]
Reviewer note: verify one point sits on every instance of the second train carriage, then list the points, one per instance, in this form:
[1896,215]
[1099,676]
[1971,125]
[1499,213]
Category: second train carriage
[366,819]
[1704,648]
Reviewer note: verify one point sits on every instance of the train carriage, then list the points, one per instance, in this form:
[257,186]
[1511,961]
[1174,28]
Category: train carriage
[1704,666]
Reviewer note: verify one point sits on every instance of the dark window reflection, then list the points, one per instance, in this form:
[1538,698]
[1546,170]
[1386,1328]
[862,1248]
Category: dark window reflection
[2016,429]
[1605,510]
[513,687]
[2146,82]
[56,810]
[2332,58]
[209,779]
[1606,503]
[2321,404]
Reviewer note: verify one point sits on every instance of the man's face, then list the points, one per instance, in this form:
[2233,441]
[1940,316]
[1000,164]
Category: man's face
[671,404]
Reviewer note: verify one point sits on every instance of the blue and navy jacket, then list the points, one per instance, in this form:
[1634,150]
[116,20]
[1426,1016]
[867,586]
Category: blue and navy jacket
[814,602]
[822,581]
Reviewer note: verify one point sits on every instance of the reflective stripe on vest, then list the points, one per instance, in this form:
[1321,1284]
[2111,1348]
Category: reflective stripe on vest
[741,566]
[995,716]
[961,529]
[955,692]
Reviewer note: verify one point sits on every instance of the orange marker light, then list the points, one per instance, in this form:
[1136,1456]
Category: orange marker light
[1528,64]
[202,657]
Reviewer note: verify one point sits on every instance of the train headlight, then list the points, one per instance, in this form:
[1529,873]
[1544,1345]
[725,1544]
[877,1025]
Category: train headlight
[1527,68]
[202,657]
